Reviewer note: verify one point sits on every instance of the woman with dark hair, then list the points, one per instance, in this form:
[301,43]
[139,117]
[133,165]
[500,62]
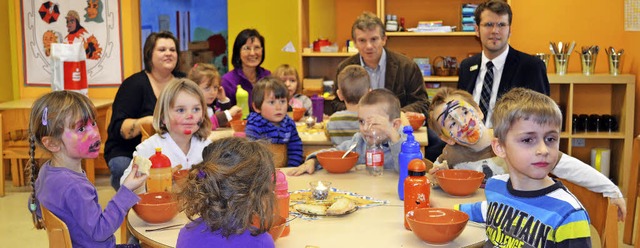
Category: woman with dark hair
[136,99]
[248,55]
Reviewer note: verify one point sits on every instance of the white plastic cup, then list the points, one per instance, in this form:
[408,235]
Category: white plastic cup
[601,159]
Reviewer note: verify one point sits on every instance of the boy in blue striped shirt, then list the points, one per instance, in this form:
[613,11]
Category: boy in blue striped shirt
[527,208]
[270,120]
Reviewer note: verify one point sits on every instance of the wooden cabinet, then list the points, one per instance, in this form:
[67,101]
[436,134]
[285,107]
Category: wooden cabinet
[598,94]
[342,13]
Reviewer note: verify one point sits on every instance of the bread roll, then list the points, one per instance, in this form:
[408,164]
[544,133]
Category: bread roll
[144,164]
[341,206]
[311,209]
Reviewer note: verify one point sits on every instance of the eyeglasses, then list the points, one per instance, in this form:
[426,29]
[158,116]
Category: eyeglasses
[249,49]
[491,25]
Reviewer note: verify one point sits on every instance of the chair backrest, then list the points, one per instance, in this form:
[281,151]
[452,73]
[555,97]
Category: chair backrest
[602,213]
[147,131]
[279,154]
[56,229]
[632,196]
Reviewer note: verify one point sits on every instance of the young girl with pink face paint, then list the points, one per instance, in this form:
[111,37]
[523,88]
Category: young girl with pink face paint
[63,124]
[181,124]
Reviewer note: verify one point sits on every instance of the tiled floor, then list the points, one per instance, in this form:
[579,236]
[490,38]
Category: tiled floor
[16,229]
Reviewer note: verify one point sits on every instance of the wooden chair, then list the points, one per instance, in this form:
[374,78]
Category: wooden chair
[147,131]
[603,214]
[632,197]
[57,230]
[279,152]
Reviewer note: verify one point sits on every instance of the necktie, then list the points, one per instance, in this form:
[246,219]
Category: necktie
[485,96]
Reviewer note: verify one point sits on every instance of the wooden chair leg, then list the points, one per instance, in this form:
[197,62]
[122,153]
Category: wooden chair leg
[90,170]
[124,232]
[15,175]
[21,171]
[2,175]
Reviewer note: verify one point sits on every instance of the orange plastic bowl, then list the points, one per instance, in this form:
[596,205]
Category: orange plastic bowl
[333,162]
[416,120]
[238,125]
[437,225]
[459,182]
[156,207]
[276,229]
[298,113]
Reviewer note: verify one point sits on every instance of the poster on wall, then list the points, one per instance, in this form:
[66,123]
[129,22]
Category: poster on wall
[93,23]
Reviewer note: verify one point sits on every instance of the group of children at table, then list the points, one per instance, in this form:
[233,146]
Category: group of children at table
[231,179]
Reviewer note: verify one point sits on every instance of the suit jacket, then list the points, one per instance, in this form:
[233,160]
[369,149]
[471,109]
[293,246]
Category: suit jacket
[402,77]
[520,70]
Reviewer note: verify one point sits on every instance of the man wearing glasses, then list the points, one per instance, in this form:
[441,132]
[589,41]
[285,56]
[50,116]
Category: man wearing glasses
[499,67]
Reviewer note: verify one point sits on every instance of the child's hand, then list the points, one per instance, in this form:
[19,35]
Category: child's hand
[235,110]
[134,180]
[622,207]
[308,166]
[222,97]
[383,127]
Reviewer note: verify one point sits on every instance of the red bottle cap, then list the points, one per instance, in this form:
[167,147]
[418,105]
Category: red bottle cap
[159,160]
[417,165]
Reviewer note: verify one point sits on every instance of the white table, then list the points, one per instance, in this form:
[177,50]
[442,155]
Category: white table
[380,226]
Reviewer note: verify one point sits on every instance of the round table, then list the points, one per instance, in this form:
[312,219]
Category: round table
[379,226]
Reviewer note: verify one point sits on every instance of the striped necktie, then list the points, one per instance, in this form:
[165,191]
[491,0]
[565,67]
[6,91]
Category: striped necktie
[485,96]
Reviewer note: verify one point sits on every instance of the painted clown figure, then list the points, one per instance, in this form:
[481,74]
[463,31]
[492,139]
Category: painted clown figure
[78,34]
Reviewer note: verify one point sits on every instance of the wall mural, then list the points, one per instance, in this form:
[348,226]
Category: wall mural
[93,23]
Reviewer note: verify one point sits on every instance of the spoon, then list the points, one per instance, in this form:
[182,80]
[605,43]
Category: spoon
[350,149]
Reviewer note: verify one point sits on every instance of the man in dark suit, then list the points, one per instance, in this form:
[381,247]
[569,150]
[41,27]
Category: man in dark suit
[510,67]
[386,68]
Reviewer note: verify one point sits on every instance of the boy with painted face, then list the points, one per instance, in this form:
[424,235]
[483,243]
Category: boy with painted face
[458,120]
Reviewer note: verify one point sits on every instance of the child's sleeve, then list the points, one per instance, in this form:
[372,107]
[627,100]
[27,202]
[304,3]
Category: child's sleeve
[574,231]
[294,148]
[252,131]
[476,211]
[576,171]
[395,151]
[81,200]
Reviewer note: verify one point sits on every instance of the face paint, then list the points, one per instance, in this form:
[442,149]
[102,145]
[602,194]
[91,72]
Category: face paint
[460,122]
[83,140]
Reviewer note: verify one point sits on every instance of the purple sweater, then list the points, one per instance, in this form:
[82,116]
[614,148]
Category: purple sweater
[231,79]
[197,234]
[72,198]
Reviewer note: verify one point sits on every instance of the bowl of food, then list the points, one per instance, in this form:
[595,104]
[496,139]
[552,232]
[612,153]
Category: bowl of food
[276,229]
[437,225]
[238,125]
[298,113]
[416,120]
[156,207]
[333,162]
[459,182]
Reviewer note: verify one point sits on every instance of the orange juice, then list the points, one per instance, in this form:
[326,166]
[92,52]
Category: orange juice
[160,175]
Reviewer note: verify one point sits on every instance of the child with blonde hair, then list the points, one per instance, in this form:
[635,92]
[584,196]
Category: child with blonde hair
[64,124]
[289,75]
[526,207]
[228,193]
[181,124]
[458,120]
[208,79]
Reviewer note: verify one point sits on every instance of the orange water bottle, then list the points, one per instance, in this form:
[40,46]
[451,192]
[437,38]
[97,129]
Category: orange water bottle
[160,176]
[282,198]
[416,189]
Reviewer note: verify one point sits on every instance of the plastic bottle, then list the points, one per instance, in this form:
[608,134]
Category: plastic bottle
[374,157]
[160,175]
[416,188]
[282,199]
[392,24]
[317,103]
[409,150]
[242,100]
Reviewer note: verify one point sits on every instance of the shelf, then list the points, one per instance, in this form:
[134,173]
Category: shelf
[319,54]
[599,135]
[600,78]
[449,79]
[418,34]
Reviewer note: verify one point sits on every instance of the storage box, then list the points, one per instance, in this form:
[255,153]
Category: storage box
[312,86]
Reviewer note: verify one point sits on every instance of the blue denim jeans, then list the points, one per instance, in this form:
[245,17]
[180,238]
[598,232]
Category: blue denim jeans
[117,165]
